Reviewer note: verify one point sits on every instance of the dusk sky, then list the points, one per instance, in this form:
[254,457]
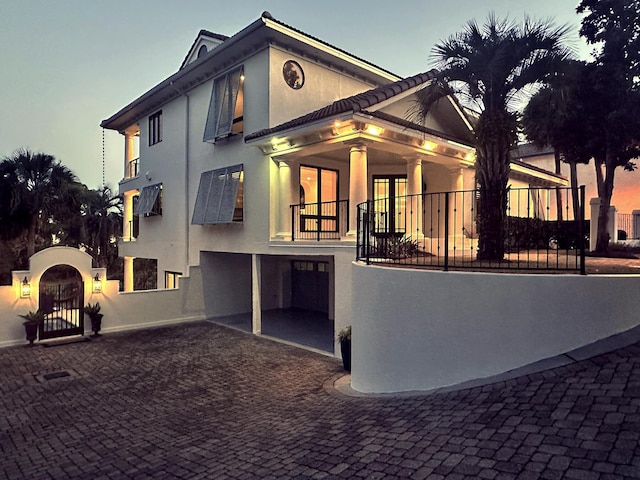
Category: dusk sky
[66,65]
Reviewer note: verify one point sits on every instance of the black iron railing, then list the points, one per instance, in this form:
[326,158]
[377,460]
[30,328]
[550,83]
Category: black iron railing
[62,308]
[319,221]
[439,230]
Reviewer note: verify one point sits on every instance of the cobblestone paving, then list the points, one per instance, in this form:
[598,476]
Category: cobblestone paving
[202,401]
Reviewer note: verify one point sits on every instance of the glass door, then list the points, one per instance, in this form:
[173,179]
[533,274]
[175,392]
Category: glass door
[389,202]
[318,199]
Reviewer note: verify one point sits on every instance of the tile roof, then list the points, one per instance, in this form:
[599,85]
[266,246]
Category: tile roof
[268,16]
[356,103]
[530,150]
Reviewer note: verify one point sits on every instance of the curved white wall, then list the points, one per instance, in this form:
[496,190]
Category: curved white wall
[422,329]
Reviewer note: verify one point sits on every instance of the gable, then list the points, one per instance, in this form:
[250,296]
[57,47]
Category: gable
[203,44]
[445,117]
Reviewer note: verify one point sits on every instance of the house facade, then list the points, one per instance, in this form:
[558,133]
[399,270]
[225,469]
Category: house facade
[250,161]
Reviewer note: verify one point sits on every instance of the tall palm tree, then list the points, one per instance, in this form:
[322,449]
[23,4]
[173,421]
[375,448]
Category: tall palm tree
[489,68]
[554,116]
[102,224]
[38,184]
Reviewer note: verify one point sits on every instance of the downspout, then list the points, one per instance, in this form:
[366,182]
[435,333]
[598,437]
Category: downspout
[186,183]
[186,175]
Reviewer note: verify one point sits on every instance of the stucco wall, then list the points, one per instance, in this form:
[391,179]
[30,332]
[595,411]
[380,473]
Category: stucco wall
[419,330]
[122,311]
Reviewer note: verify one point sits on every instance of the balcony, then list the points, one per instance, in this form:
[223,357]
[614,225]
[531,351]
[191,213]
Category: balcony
[320,221]
[439,230]
[133,168]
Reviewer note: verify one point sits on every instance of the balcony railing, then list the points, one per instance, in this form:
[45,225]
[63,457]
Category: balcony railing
[319,221]
[439,230]
[133,168]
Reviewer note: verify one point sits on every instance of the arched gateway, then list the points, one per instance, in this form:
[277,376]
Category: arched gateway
[61,298]
[61,280]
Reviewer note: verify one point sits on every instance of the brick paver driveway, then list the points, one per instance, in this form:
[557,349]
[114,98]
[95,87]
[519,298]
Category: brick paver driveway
[202,401]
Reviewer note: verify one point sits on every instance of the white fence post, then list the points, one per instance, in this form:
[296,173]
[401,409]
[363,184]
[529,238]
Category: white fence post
[635,224]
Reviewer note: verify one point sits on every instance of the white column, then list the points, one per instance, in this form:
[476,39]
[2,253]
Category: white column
[457,180]
[128,153]
[256,290]
[414,191]
[286,200]
[128,274]
[635,228]
[457,214]
[127,217]
[357,184]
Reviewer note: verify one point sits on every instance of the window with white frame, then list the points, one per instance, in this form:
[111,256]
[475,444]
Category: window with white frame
[155,128]
[150,201]
[226,107]
[171,279]
[220,196]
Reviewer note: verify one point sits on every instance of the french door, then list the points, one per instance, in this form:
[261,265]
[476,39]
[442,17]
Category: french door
[389,202]
[318,199]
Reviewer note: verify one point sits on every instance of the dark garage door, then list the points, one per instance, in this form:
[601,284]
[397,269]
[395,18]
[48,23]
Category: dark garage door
[310,285]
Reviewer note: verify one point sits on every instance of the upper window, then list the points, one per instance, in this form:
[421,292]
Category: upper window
[226,107]
[155,128]
[150,201]
[220,196]
[202,50]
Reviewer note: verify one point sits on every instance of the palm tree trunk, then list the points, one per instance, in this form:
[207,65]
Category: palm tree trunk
[492,175]
[603,237]
[31,235]
[575,197]
[556,157]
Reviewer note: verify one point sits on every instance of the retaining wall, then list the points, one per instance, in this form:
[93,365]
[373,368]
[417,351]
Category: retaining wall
[421,329]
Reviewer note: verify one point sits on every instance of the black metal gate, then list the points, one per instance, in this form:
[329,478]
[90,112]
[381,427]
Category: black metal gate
[62,305]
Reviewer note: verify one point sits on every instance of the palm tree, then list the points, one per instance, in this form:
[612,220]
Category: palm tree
[102,224]
[36,185]
[489,68]
[554,116]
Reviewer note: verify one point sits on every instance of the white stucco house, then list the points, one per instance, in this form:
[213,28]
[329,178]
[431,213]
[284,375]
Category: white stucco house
[249,162]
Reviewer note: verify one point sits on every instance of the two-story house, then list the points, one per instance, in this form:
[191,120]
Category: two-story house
[253,158]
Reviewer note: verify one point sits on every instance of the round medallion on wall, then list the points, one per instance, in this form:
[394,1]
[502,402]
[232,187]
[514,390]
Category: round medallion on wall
[293,74]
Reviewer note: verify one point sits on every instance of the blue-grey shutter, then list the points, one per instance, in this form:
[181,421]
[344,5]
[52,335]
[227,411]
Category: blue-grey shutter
[147,199]
[202,199]
[228,201]
[222,105]
[217,194]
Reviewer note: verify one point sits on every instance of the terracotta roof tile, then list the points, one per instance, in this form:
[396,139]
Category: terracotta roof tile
[355,103]
[267,15]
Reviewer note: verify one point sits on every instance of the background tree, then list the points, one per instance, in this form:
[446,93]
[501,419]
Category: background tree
[489,69]
[43,204]
[102,225]
[38,187]
[555,117]
[614,100]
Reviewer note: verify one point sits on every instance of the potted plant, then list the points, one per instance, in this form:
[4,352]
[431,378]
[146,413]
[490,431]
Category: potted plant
[345,347]
[32,322]
[96,317]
